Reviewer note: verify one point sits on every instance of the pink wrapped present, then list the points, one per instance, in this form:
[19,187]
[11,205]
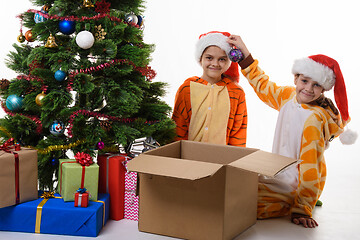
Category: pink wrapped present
[131,200]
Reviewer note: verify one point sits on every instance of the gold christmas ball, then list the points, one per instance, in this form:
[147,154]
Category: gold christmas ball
[21,38]
[39,97]
[29,36]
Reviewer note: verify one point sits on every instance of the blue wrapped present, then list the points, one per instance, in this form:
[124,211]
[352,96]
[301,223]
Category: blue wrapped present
[54,216]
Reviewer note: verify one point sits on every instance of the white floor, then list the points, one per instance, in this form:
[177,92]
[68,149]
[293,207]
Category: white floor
[338,218]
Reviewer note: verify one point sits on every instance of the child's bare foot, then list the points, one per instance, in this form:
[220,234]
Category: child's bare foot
[304,220]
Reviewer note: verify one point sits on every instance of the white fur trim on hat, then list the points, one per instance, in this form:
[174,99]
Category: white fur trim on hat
[211,39]
[316,71]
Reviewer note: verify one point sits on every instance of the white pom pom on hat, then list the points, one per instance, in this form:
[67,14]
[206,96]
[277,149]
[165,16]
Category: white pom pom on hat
[326,71]
[348,137]
[219,39]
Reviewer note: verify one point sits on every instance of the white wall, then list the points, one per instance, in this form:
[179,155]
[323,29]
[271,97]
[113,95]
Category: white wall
[276,32]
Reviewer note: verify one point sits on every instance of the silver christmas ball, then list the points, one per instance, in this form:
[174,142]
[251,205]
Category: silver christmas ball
[131,18]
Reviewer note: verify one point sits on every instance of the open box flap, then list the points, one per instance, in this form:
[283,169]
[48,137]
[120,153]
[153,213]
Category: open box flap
[268,164]
[172,167]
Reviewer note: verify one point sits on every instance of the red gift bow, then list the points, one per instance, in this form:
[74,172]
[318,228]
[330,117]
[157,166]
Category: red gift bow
[84,159]
[6,147]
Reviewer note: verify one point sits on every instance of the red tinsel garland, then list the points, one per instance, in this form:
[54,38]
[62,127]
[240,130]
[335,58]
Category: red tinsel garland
[145,71]
[34,118]
[32,78]
[81,19]
[94,114]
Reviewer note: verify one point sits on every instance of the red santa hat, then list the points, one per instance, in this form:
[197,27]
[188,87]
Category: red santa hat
[215,38]
[326,71]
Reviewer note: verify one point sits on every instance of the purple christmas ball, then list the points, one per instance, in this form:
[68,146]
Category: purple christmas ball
[235,55]
[100,145]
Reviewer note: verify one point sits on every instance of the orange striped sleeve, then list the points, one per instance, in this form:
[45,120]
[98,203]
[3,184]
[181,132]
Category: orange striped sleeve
[237,124]
[182,111]
[267,91]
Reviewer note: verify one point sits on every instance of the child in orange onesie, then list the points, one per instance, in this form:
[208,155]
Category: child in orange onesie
[307,122]
[212,108]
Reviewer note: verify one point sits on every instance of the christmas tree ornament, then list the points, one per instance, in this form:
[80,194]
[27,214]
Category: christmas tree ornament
[99,33]
[106,125]
[85,39]
[67,27]
[4,84]
[100,145]
[102,6]
[57,128]
[131,18]
[54,162]
[46,8]
[88,4]
[14,102]
[38,18]
[140,20]
[21,38]
[29,36]
[39,98]
[235,55]
[50,42]
[30,89]
[60,75]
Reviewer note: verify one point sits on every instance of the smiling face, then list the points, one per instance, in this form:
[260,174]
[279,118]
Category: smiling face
[214,62]
[307,90]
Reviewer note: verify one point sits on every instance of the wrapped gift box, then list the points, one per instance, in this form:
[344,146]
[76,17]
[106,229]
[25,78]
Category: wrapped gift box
[112,181]
[131,211]
[81,199]
[18,179]
[70,178]
[56,217]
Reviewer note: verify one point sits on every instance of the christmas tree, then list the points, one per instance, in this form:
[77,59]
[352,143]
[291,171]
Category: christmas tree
[84,83]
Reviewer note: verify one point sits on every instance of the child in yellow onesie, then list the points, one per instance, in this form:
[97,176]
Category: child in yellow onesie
[212,108]
[307,122]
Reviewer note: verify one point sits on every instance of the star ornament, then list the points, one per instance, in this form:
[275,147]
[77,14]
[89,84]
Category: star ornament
[102,7]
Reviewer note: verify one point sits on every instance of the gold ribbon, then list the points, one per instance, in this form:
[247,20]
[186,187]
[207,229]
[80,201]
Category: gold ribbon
[103,210]
[46,196]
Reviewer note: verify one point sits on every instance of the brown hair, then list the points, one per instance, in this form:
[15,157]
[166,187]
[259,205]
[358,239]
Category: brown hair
[325,102]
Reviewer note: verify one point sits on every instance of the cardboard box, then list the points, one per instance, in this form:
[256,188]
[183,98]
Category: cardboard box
[26,177]
[196,190]
[56,217]
[70,176]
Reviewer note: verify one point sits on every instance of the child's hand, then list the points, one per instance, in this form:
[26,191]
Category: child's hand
[236,41]
[306,221]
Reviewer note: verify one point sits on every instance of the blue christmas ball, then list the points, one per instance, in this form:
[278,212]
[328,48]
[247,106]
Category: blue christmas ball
[235,55]
[60,75]
[57,128]
[67,27]
[14,102]
[140,20]
[54,162]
